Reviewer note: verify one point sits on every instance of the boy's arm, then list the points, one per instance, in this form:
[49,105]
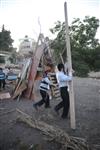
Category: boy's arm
[65,78]
[49,82]
[4,75]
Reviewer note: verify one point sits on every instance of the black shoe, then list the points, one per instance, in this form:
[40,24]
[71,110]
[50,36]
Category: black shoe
[57,111]
[35,106]
[47,106]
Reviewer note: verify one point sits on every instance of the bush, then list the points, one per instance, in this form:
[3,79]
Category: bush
[2,59]
[97,65]
[81,69]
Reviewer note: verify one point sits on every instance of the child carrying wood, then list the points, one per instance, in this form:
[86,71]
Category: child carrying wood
[44,87]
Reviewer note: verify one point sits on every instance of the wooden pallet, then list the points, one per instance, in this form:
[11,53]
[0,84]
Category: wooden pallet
[55,90]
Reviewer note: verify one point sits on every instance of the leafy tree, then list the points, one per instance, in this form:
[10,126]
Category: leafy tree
[83,32]
[5,40]
[96,59]
[84,45]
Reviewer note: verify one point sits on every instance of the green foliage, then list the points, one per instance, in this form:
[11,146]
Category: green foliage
[5,40]
[96,56]
[84,46]
[81,68]
[2,60]
[83,32]
[97,65]
[58,44]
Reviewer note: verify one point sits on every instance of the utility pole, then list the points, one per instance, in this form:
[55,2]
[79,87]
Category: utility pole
[69,60]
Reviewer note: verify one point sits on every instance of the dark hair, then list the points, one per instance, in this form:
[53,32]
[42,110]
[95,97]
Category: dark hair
[60,66]
[1,69]
[45,74]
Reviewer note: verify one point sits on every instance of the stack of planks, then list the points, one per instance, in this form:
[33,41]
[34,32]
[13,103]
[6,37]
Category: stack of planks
[55,90]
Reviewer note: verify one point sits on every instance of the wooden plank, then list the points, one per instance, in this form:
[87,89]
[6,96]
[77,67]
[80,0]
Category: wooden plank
[57,95]
[61,58]
[5,96]
[22,76]
[58,99]
[69,60]
[19,91]
[56,84]
[52,78]
[52,74]
[34,66]
[55,89]
[56,92]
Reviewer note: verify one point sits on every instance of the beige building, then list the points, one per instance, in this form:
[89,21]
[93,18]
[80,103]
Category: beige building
[26,46]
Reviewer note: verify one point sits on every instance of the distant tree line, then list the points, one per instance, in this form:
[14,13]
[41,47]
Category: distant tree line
[6,44]
[85,47]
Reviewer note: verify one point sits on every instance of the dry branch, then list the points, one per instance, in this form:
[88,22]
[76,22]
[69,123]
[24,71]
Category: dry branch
[7,112]
[54,133]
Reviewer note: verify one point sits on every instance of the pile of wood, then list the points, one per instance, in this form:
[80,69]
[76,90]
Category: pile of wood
[29,72]
[21,84]
[54,133]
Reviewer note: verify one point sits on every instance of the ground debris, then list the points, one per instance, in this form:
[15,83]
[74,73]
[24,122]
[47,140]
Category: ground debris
[7,112]
[5,96]
[56,134]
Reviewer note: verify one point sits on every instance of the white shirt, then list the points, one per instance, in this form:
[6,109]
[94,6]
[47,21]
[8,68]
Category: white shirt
[63,79]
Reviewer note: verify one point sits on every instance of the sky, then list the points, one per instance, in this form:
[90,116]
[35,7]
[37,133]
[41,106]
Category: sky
[22,17]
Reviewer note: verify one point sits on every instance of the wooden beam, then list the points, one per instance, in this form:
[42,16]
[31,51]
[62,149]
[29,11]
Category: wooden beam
[61,58]
[69,60]
[34,65]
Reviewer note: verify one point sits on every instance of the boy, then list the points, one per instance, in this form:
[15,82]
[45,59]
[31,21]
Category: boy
[44,87]
[63,85]
[2,79]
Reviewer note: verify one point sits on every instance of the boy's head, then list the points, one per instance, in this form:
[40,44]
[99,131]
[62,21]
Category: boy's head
[1,69]
[45,74]
[60,67]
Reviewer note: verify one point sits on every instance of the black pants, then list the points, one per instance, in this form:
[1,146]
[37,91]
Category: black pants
[2,83]
[45,99]
[65,101]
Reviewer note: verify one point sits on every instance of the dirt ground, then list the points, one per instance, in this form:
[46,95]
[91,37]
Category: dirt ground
[19,136]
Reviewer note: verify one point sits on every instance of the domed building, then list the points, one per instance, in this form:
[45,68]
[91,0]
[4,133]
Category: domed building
[25,50]
[26,46]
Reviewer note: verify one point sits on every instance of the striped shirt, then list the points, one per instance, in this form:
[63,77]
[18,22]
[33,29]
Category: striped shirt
[44,85]
[2,76]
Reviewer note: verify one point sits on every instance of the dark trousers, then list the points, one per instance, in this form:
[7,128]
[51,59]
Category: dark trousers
[45,99]
[2,83]
[65,101]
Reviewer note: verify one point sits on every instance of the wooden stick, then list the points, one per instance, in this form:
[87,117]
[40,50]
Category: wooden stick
[71,91]
[61,58]
[23,113]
